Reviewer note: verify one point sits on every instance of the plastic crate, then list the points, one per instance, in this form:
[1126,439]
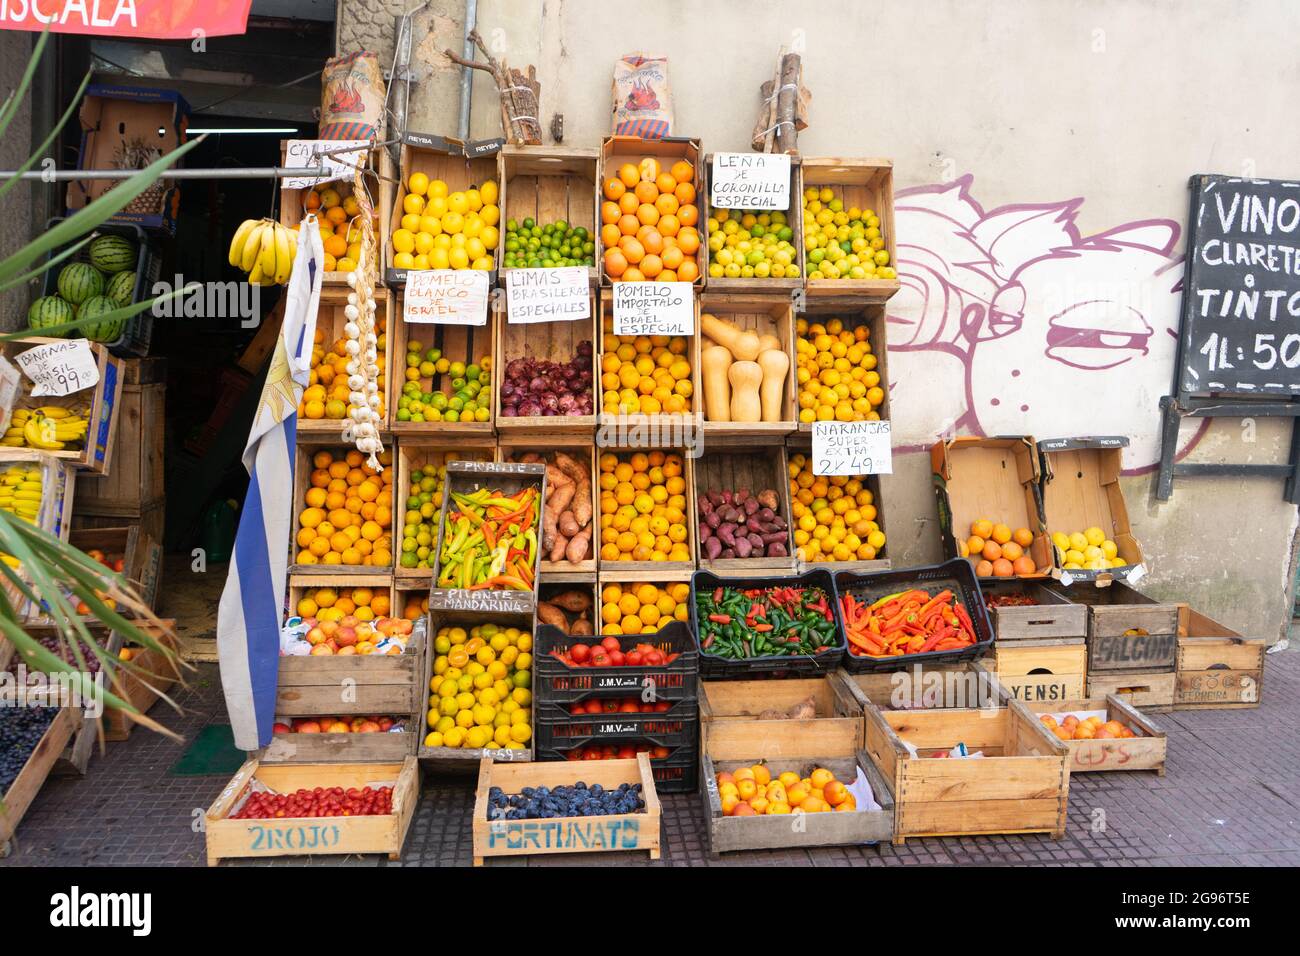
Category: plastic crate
[772,665]
[138,333]
[555,682]
[957,575]
[556,727]
[679,772]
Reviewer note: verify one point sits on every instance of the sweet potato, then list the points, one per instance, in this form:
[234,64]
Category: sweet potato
[727,532]
[806,709]
[577,549]
[574,601]
[704,505]
[743,547]
[581,476]
[712,548]
[548,613]
[751,506]
[777,549]
[581,627]
[558,547]
[768,499]
[771,714]
[568,524]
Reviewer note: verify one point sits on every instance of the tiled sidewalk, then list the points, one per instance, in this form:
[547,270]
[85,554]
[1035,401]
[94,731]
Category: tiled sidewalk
[1229,797]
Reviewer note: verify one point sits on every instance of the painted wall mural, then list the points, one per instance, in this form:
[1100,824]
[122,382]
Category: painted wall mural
[1010,321]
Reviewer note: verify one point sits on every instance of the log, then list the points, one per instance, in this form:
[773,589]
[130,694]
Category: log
[787,133]
[519,94]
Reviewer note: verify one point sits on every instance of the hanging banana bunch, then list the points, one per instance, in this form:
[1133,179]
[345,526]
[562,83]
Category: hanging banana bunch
[49,428]
[363,342]
[264,249]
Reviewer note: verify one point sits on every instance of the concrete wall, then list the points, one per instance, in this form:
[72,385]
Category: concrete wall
[15,147]
[1062,133]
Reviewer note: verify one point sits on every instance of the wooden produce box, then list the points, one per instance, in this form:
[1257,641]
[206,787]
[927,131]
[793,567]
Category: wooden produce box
[794,219]
[140,553]
[304,468]
[1081,489]
[1044,670]
[1150,690]
[1021,785]
[735,470]
[1145,751]
[1217,667]
[618,571]
[615,151]
[148,676]
[416,455]
[854,314]
[1053,616]
[581,450]
[330,319]
[135,483]
[739,705]
[17,800]
[467,344]
[546,184]
[995,479]
[798,449]
[866,184]
[770,317]
[410,599]
[100,405]
[313,836]
[964,685]
[1128,631]
[545,342]
[626,831]
[733,744]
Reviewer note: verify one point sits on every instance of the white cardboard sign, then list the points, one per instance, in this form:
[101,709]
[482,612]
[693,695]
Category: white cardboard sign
[301,153]
[750,181]
[547,295]
[9,381]
[446,297]
[60,368]
[654,308]
[852,448]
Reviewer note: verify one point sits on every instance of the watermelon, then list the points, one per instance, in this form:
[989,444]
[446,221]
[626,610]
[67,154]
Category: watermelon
[121,288]
[47,311]
[112,254]
[79,282]
[109,331]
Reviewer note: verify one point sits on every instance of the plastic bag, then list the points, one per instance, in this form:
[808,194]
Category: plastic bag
[643,97]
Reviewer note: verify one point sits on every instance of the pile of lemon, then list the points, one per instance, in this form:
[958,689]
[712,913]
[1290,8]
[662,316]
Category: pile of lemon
[348,515]
[842,243]
[642,608]
[480,693]
[836,371]
[747,245]
[644,375]
[1088,550]
[643,507]
[327,393]
[446,230]
[835,517]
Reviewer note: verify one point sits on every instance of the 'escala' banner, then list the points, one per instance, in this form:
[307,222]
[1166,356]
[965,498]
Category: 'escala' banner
[160,19]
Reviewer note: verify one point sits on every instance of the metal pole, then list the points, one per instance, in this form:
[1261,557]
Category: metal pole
[466,74]
[254,172]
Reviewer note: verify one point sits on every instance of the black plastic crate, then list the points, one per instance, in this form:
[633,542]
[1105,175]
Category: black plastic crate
[555,726]
[679,772]
[718,668]
[555,682]
[957,575]
[138,333]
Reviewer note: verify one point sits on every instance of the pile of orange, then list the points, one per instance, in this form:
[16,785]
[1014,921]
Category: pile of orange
[333,604]
[753,791]
[644,375]
[996,550]
[642,608]
[348,516]
[336,212]
[648,223]
[415,605]
[326,394]
[643,507]
[1090,728]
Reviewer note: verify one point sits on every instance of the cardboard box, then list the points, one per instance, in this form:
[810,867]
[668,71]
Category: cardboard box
[993,478]
[1080,489]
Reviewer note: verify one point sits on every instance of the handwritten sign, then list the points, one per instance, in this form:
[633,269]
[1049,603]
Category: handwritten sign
[568,833]
[446,297]
[485,602]
[60,368]
[9,379]
[547,295]
[852,448]
[654,308]
[750,181]
[303,153]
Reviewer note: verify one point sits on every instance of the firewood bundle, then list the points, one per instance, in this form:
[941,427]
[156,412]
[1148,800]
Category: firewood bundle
[519,92]
[783,109]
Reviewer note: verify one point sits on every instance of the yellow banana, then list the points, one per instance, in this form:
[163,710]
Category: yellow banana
[239,240]
[267,257]
[255,276]
[12,442]
[283,260]
[54,411]
[36,438]
[252,248]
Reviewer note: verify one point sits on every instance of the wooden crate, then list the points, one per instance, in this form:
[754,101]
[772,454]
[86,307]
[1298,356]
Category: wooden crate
[734,744]
[151,520]
[1150,690]
[1217,667]
[1043,670]
[100,405]
[766,315]
[1128,631]
[737,706]
[800,443]
[135,483]
[315,836]
[140,553]
[409,593]
[153,674]
[866,184]
[1080,489]
[548,183]
[854,314]
[1021,785]
[546,342]
[733,470]
[632,431]
[617,150]
[579,447]
[1145,751]
[353,747]
[470,344]
[794,219]
[329,324]
[965,685]
[618,571]
[1055,615]
[305,452]
[414,454]
[17,800]
[625,831]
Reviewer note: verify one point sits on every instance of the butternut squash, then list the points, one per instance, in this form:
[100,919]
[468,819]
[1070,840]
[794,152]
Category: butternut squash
[742,343]
[769,341]
[714,364]
[745,378]
[775,364]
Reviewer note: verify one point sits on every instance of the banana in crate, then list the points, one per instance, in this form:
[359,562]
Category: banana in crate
[22,491]
[49,428]
[265,250]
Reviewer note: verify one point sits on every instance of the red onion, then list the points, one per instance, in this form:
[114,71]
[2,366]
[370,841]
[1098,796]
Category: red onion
[533,387]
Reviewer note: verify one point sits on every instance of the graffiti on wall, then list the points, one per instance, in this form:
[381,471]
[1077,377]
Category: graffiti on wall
[1010,321]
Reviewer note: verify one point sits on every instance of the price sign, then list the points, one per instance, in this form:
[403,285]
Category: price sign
[60,368]
[446,297]
[547,295]
[750,181]
[654,308]
[852,448]
[9,379]
[301,153]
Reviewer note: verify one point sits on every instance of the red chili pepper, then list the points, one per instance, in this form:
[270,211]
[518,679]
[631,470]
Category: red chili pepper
[762,628]
[717,595]
[720,618]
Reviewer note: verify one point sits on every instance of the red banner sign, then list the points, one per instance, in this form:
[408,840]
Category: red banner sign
[159,19]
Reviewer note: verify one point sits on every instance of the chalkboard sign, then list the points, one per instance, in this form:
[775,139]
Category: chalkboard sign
[1241,291]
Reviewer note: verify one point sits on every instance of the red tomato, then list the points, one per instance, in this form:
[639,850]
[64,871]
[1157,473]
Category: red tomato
[634,658]
[599,658]
[629,706]
[662,706]
[617,658]
[654,657]
[577,710]
[580,653]
[595,706]
[611,644]
[627,753]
